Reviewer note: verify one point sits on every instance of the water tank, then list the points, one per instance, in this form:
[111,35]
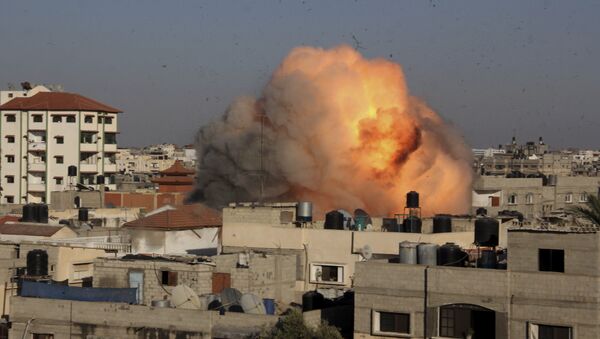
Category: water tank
[83,214]
[451,254]
[390,224]
[481,211]
[408,252]
[29,212]
[161,303]
[427,254]
[237,308]
[334,220]
[37,263]
[487,259]
[442,224]
[42,214]
[312,300]
[412,224]
[412,199]
[215,305]
[72,171]
[100,179]
[304,211]
[252,304]
[486,232]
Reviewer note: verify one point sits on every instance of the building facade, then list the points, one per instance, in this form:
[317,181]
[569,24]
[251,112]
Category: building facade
[42,135]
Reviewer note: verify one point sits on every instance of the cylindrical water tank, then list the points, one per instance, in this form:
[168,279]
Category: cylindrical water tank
[252,304]
[334,220]
[488,259]
[427,254]
[412,199]
[481,211]
[72,171]
[408,252]
[312,300]
[412,224]
[215,305]
[37,263]
[486,232]
[29,211]
[304,211]
[390,224]
[42,215]
[442,224]
[83,214]
[161,303]
[451,254]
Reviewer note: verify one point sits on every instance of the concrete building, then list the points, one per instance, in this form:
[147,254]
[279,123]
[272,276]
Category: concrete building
[65,319]
[43,134]
[26,91]
[186,229]
[533,197]
[550,290]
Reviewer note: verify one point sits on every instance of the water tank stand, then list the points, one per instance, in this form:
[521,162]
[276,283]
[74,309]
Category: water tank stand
[416,212]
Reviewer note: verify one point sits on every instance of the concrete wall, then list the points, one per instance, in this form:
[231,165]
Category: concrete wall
[76,319]
[174,242]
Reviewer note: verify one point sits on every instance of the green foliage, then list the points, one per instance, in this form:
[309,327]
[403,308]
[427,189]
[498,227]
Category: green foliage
[590,212]
[292,326]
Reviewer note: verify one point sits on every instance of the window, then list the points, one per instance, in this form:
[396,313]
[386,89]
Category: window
[59,140]
[11,118]
[88,119]
[10,199]
[38,118]
[59,159]
[10,95]
[169,278]
[327,273]
[583,197]
[512,199]
[569,198]
[56,118]
[70,118]
[110,138]
[551,260]
[549,332]
[10,158]
[42,336]
[58,180]
[87,138]
[529,198]
[10,179]
[446,322]
[108,121]
[10,139]
[388,322]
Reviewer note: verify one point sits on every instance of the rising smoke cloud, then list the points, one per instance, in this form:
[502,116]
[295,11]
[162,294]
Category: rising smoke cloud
[338,130]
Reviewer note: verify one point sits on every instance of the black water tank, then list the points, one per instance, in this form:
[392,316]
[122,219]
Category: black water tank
[100,179]
[312,300]
[390,224]
[235,308]
[29,212]
[412,224]
[215,305]
[481,211]
[334,220]
[451,254]
[72,171]
[486,232]
[83,214]
[442,224]
[42,214]
[37,263]
[488,259]
[412,199]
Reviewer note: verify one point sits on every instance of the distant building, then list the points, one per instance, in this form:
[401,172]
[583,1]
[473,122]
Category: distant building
[176,178]
[154,159]
[43,134]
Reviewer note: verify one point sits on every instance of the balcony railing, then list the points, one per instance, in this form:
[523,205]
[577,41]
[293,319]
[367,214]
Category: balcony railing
[37,146]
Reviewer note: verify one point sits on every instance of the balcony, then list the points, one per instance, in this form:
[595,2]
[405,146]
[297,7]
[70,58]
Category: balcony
[88,168]
[110,168]
[37,146]
[89,127]
[36,187]
[89,147]
[111,148]
[37,167]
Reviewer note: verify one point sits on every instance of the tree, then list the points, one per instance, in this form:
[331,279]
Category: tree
[292,326]
[589,212]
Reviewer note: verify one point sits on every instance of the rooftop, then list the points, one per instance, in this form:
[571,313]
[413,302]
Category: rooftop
[182,218]
[29,229]
[57,101]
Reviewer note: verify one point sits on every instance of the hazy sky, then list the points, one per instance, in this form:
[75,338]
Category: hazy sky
[492,68]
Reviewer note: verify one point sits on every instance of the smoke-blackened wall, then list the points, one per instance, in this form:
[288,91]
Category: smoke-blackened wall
[339,130]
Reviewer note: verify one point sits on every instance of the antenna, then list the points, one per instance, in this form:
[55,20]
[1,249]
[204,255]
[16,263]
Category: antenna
[262,172]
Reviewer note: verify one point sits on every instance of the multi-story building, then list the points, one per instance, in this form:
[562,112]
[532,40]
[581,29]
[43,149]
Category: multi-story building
[43,134]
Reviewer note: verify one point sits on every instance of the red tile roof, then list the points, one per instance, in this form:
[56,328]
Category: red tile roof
[174,180]
[6,218]
[183,218]
[27,229]
[57,101]
[177,169]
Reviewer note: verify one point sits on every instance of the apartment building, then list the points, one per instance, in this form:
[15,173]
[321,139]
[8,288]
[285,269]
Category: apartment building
[43,134]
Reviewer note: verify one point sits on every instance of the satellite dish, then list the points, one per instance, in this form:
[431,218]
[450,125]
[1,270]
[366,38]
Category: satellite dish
[366,252]
[184,297]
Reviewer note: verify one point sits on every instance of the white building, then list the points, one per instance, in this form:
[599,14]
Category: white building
[43,133]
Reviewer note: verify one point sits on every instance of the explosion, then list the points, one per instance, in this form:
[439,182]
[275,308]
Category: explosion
[339,130]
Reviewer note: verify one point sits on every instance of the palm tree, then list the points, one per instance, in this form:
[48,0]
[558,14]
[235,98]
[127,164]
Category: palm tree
[590,211]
